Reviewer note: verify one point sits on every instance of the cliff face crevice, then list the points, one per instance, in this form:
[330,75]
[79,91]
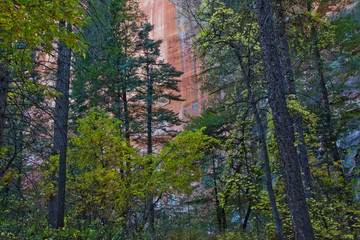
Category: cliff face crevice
[173,24]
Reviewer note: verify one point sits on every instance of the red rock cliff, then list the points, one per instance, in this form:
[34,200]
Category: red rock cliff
[176,50]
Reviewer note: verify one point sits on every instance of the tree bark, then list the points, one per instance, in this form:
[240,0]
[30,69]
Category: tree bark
[4,88]
[61,126]
[284,134]
[149,111]
[126,117]
[149,143]
[290,87]
[124,91]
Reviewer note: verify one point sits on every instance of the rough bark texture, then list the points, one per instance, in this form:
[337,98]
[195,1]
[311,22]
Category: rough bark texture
[61,126]
[4,88]
[284,134]
[149,142]
[290,87]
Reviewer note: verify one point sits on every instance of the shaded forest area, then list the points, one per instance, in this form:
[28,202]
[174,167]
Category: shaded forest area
[89,148]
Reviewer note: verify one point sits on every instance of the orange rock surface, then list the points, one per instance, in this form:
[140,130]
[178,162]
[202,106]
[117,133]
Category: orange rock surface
[176,50]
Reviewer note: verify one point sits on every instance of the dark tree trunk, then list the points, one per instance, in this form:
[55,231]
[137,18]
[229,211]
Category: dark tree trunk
[284,134]
[268,179]
[4,88]
[223,217]
[220,212]
[60,132]
[124,92]
[126,114]
[247,216]
[290,87]
[149,111]
[149,143]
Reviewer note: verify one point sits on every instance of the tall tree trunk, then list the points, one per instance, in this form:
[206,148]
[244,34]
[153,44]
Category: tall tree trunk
[284,134]
[149,143]
[290,87]
[124,89]
[4,88]
[149,110]
[126,114]
[220,212]
[61,126]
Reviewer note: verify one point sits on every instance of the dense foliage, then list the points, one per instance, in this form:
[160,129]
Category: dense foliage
[274,154]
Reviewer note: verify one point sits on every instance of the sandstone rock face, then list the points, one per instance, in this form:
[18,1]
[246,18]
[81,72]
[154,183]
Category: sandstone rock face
[172,24]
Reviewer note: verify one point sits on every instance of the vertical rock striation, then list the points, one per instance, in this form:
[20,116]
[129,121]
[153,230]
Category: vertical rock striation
[172,24]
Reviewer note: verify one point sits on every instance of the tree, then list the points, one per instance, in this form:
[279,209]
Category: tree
[4,87]
[159,83]
[28,25]
[289,86]
[107,73]
[106,175]
[240,42]
[56,214]
[282,123]
[109,181]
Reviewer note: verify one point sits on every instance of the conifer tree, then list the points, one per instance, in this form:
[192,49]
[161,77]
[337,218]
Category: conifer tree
[107,73]
[158,83]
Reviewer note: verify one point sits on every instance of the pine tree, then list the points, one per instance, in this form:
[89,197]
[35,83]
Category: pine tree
[159,83]
[107,74]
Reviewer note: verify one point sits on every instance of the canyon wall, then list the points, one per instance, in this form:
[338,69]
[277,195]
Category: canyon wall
[172,24]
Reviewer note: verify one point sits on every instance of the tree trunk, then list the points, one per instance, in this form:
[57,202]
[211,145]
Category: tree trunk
[4,88]
[124,90]
[284,134]
[149,111]
[268,179]
[330,139]
[220,212]
[61,125]
[247,216]
[126,114]
[149,144]
[290,87]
